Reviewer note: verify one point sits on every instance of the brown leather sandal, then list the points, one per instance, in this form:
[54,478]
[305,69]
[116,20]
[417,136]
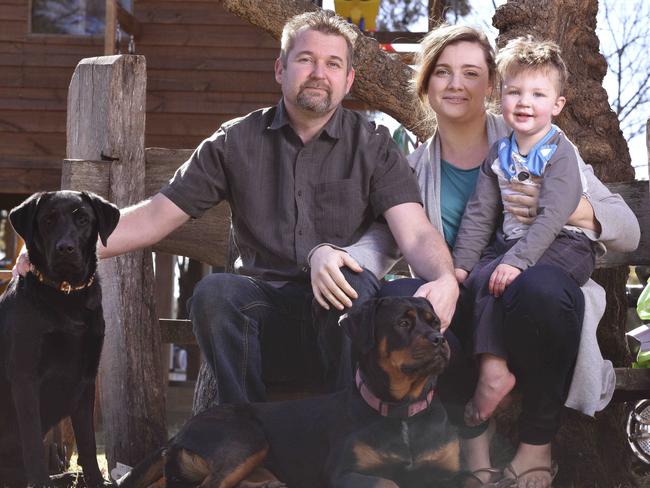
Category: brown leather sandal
[496,479]
[512,474]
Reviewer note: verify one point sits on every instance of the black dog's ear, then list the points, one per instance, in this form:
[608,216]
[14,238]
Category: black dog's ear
[23,218]
[108,215]
[359,325]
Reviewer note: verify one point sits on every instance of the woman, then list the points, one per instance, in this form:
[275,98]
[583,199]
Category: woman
[456,77]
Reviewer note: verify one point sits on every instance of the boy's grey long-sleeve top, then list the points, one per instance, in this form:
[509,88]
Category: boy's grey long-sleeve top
[560,192]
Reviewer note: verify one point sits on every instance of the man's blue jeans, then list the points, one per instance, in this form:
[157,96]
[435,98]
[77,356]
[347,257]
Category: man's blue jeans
[245,326]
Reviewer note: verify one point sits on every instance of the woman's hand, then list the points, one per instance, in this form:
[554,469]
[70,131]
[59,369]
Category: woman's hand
[524,204]
[461,275]
[503,275]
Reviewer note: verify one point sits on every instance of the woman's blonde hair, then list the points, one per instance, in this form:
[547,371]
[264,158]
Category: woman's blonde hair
[435,42]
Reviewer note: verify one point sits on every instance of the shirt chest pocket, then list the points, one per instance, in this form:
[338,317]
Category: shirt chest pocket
[340,208]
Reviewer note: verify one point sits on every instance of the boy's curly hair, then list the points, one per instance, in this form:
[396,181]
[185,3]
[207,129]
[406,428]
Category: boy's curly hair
[526,53]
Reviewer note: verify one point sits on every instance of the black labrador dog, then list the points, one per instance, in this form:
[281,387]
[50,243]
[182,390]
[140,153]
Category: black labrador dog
[51,333]
[387,431]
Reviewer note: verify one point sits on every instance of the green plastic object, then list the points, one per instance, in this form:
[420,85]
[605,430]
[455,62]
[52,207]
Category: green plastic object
[643,304]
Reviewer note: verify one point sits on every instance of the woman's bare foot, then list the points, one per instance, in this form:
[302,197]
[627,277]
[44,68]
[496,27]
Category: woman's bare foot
[532,466]
[495,382]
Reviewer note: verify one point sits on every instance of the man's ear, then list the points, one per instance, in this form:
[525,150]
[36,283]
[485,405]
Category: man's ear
[23,218]
[359,325]
[278,70]
[106,213]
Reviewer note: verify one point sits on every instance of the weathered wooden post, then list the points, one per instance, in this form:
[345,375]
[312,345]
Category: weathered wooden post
[106,121]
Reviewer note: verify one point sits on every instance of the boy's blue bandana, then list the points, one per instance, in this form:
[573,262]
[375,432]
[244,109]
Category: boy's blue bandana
[520,168]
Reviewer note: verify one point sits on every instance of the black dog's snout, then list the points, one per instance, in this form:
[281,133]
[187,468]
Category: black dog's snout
[65,246]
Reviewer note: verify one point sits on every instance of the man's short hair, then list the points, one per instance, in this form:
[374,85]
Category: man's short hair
[324,21]
[526,53]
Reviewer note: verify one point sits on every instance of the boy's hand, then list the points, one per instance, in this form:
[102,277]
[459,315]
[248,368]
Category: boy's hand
[461,275]
[503,275]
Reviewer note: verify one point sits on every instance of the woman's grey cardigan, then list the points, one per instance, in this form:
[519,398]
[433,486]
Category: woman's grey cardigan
[593,380]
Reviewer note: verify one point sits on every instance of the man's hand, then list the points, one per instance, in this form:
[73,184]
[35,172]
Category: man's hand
[22,264]
[461,275]
[523,205]
[327,282]
[503,275]
[442,295]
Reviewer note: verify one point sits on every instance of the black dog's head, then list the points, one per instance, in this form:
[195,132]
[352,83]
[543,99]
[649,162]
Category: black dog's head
[60,231]
[399,342]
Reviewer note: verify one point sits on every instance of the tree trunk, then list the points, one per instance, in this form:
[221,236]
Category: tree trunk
[382,81]
[590,453]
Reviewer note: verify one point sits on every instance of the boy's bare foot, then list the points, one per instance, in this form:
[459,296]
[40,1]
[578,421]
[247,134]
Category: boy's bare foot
[532,466]
[495,382]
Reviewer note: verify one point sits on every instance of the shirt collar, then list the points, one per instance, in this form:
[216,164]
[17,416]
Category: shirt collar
[333,127]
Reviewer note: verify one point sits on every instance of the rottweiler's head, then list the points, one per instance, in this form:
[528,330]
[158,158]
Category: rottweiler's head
[60,231]
[399,342]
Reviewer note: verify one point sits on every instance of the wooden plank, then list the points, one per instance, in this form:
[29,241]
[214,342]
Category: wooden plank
[20,121]
[189,12]
[16,144]
[33,162]
[34,77]
[106,118]
[178,53]
[69,41]
[36,44]
[631,384]
[26,181]
[222,81]
[13,30]
[637,196]
[629,379]
[208,103]
[43,59]
[207,35]
[12,12]
[176,331]
[189,239]
[49,100]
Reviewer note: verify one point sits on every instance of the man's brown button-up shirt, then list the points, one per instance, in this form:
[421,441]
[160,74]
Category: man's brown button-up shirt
[286,197]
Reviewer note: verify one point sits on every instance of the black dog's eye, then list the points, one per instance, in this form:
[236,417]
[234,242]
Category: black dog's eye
[404,323]
[49,220]
[82,219]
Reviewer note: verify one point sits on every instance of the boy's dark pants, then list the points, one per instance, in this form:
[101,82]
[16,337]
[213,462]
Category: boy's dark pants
[250,330]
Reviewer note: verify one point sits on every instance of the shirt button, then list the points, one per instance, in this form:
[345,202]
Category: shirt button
[300,232]
[299,193]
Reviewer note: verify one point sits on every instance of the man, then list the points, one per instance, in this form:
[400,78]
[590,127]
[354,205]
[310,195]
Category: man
[298,175]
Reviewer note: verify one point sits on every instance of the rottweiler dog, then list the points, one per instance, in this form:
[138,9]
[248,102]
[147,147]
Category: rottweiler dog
[389,430]
[52,330]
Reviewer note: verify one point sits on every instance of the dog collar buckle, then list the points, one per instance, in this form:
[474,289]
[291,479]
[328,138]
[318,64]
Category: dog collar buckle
[64,287]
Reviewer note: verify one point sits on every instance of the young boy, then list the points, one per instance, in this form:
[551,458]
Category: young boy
[537,153]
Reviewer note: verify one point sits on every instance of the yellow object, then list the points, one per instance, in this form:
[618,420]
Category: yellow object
[363,13]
